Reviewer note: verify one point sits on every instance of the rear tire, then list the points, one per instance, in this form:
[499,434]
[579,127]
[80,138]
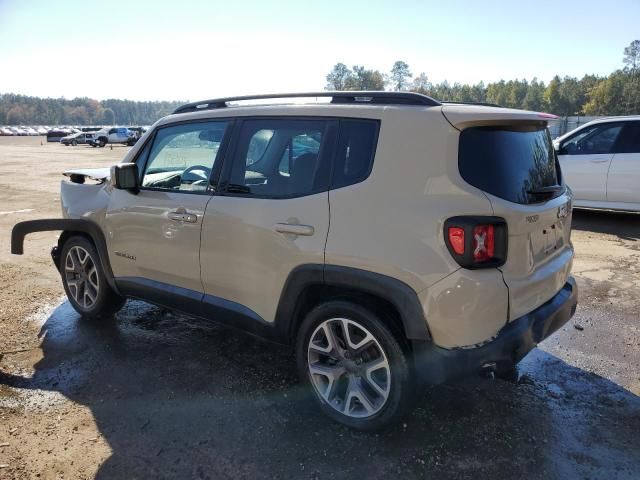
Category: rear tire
[353,365]
[84,280]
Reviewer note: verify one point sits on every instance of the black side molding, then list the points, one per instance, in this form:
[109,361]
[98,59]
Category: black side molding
[208,307]
[399,294]
[403,298]
[299,279]
[67,225]
[351,280]
[22,229]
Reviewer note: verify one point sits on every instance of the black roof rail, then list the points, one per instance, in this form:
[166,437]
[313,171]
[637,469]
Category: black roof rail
[355,97]
[481,104]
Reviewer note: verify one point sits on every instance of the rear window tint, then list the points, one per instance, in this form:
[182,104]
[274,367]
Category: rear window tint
[354,152]
[629,139]
[508,162]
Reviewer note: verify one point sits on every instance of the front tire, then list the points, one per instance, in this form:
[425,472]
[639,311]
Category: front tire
[353,364]
[84,280]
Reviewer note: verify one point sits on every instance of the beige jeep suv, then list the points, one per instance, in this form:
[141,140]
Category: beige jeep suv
[393,240]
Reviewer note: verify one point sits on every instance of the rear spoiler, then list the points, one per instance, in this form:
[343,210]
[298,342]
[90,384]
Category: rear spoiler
[462,116]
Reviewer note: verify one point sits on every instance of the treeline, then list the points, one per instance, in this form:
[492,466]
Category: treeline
[25,110]
[615,94]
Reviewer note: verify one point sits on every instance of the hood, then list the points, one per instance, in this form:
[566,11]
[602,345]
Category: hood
[79,175]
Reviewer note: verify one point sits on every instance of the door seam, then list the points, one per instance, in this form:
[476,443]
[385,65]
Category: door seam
[204,214]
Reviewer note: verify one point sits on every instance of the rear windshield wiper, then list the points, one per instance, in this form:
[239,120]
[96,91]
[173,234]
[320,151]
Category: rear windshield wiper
[550,190]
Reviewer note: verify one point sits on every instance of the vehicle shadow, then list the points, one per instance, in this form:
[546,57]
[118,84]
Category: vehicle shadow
[624,225]
[177,397]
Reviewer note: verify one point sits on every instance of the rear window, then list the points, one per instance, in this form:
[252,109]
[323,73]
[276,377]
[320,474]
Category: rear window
[509,163]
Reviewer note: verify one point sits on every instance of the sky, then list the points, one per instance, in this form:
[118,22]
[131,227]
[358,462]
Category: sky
[196,49]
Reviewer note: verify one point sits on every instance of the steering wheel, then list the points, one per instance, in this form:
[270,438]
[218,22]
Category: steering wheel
[196,178]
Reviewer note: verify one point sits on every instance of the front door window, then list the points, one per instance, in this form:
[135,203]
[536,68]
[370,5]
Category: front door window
[182,156]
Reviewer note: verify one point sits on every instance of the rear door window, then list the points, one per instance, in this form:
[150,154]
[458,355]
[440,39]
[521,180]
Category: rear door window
[629,139]
[281,158]
[509,163]
[298,145]
[595,140]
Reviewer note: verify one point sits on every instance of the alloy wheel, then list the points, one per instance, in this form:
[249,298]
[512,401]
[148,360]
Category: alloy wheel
[348,368]
[81,276]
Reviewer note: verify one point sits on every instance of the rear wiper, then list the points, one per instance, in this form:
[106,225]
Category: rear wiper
[550,190]
[237,188]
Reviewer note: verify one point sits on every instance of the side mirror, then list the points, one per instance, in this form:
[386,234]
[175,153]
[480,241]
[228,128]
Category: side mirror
[124,176]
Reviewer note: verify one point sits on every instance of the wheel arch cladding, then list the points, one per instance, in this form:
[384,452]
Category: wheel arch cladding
[69,227]
[309,285]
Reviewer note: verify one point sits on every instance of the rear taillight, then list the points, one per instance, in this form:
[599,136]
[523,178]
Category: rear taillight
[477,242]
[456,239]
[483,245]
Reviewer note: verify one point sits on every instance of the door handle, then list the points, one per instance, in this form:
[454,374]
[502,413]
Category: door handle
[181,215]
[294,229]
[599,160]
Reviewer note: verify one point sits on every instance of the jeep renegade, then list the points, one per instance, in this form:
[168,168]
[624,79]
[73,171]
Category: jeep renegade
[394,240]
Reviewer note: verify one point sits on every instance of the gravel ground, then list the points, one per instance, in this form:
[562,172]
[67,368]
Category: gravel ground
[153,394]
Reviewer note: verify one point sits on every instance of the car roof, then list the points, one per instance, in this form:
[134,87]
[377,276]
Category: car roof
[625,118]
[355,104]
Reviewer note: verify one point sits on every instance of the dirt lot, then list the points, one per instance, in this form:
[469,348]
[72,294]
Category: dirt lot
[152,394]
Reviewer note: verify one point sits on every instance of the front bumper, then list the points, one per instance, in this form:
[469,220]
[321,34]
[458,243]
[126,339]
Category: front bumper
[436,365]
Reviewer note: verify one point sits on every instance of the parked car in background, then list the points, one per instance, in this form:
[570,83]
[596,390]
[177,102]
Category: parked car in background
[82,138]
[41,130]
[137,131]
[18,131]
[601,163]
[56,134]
[6,132]
[115,135]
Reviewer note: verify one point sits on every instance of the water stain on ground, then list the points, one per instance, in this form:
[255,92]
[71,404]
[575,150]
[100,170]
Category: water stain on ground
[178,397]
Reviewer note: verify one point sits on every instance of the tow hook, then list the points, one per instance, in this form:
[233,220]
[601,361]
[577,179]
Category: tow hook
[489,369]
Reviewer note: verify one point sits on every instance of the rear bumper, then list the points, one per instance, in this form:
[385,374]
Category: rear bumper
[436,365]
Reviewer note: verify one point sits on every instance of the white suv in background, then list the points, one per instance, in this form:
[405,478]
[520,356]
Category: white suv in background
[601,163]
[391,239]
[117,135]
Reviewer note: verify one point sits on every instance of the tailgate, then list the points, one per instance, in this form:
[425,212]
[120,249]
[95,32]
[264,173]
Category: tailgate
[510,157]
[540,253]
